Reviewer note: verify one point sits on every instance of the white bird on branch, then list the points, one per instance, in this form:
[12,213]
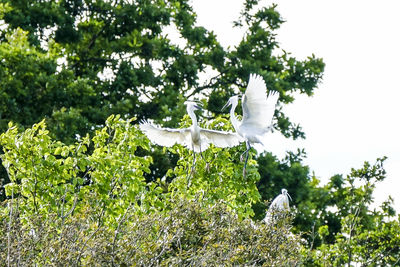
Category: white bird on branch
[258,111]
[279,204]
[194,137]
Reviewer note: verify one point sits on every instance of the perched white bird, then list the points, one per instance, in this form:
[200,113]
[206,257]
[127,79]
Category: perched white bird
[194,137]
[258,111]
[279,204]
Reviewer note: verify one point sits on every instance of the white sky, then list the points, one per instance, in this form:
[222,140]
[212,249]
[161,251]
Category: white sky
[354,115]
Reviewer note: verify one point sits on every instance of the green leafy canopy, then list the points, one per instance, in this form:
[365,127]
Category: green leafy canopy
[75,63]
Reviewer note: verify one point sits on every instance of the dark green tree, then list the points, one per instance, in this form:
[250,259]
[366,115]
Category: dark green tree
[77,62]
[347,229]
[88,59]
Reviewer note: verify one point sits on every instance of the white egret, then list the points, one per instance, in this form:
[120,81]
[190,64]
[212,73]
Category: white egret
[279,204]
[195,138]
[258,111]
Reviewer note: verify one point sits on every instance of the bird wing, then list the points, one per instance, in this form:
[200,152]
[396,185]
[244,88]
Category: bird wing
[281,202]
[258,108]
[166,136]
[221,138]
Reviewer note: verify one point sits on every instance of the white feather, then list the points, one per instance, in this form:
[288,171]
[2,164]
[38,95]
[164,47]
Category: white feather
[194,138]
[221,138]
[279,204]
[166,136]
[258,107]
[258,111]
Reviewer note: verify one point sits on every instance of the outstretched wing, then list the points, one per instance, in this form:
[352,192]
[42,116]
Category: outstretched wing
[258,108]
[165,136]
[221,138]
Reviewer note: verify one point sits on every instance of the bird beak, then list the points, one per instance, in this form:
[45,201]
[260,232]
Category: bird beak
[226,105]
[198,107]
[286,193]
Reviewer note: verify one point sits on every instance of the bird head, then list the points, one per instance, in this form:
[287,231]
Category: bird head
[191,105]
[285,193]
[232,101]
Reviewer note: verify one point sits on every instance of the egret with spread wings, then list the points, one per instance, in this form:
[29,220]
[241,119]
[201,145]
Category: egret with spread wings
[194,137]
[258,111]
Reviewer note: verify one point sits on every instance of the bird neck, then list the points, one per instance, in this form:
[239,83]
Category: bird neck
[234,119]
[193,117]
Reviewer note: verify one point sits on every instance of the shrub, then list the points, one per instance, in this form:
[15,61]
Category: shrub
[193,233]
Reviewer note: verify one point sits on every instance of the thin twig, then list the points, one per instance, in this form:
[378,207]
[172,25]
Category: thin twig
[9,230]
[84,245]
[352,224]
[116,234]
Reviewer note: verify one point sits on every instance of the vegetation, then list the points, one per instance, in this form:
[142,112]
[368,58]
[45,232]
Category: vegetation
[86,187]
[86,60]
[56,215]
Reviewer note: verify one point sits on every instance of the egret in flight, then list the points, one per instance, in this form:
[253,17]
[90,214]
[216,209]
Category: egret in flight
[258,110]
[194,137]
[279,204]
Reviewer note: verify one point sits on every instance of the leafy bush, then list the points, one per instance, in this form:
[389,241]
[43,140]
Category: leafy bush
[365,236]
[89,204]
[193,233]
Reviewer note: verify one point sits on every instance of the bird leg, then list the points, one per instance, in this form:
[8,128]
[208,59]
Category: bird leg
[245,165]
[248,146]
[194,162]
[192,170]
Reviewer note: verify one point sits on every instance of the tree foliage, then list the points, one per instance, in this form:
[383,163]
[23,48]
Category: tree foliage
[97,58]
[52,176]
[75,63]
[363,235]
[191,234]
[116,217]
[125,219]
[85,174]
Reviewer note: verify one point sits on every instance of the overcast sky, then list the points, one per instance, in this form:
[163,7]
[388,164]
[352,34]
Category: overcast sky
[354,115]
